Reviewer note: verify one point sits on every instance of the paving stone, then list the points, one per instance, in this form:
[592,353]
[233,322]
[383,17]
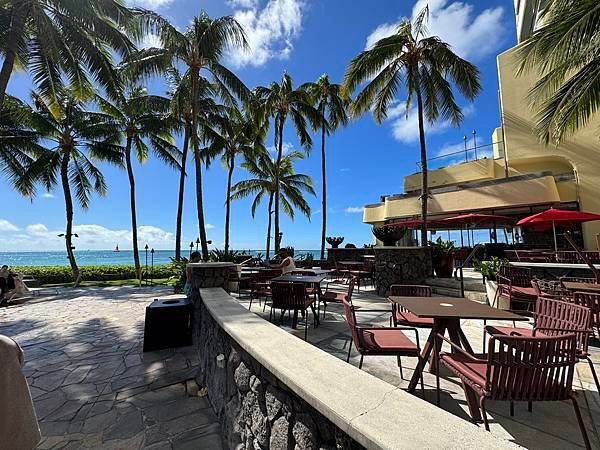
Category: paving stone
[54,428]
[100,422]
[206,437]
[51,381]
[188,422]
[67,411]
[126,425]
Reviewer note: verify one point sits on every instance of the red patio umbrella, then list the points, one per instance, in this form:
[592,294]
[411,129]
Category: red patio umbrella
[553,217]
[475,219]
[408,223]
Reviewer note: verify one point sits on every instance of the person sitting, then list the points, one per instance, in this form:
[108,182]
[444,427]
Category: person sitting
[7,283]
[188,287]
[287,264]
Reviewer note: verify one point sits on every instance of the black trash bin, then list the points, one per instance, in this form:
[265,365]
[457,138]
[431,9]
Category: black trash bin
[168,324]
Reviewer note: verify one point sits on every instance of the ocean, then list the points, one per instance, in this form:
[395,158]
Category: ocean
[104,257]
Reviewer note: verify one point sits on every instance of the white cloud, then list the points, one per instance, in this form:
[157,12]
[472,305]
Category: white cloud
[287,148]
[470,36]
[150,4]
[270,31]
[5,225]
[48,195]
[209,226]
[344,169]
[354,210]
[151,41]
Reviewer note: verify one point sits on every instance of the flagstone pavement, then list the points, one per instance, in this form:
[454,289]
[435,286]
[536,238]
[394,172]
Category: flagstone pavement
[92,385]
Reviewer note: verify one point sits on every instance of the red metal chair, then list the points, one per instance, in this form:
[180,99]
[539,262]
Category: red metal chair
[364,273]
[578,280]
[292,297]
[337,297]
[260,285]
[552,289]
[401,316]
[312,289]
[380,341]
[591,301]
[518,368]
[554,317]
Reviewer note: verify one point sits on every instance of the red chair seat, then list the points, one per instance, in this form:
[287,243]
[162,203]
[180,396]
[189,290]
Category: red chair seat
[385,340]
[461,365]
[262,293]
[512,331]
[334,297]
[524,292]
[410,319]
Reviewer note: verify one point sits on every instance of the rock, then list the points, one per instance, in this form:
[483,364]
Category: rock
[259,426]
[279,434]
[305,433]
[274,399]
[242,377]
[191,388]
[255,385]
[233,431]
[248,401]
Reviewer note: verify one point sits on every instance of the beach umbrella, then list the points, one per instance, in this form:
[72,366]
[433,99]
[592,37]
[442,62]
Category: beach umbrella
[553,217]
[475,219]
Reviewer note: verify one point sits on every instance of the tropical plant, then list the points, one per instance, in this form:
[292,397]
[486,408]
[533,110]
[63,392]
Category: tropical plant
[280,100]
[234,256]
[68,130]
[268,180]
[58,39]
[563,54]
[198,49]
[489,269]
[139,117]
[425,65]
[441,247]
[332,107]
[236,133]
[19,143]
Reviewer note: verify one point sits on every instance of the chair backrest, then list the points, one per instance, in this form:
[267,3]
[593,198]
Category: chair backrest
[591,301]
[577,280]
[550,288]
[286,295]
[410,290]
[531,368]
[351,285]
[518,276]
[351,321]
[560,315]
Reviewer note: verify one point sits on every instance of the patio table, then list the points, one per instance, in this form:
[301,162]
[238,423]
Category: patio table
[305,279]
[576,286]
[446,313]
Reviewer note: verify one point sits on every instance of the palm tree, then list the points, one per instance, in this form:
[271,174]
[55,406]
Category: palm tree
[57,39]
[279,101]
[332,106]
[236,133]
[139,117]
[424,64]
[564,54]
[69,130]
[199,49]
[181,107]
[270,179]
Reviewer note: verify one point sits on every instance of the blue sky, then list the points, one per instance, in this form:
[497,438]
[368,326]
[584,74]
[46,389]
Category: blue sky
[306,38]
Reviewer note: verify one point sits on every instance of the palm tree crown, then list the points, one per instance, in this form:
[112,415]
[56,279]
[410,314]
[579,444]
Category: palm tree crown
[425,65]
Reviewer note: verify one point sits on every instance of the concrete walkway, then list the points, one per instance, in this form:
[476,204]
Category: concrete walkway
[552,425]
[92,385]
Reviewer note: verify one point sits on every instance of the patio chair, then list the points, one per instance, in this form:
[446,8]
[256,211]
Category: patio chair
[591,301]
[364,273]
[552,289]
[312,289]
[292,297]
[236,277]
[517,368]
[337,297]
[401,316]
[260,285]
[577,280]
[380,341]
[555,317]
[516,289]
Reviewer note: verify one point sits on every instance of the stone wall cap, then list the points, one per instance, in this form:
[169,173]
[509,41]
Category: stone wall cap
[211,264]
[374,413]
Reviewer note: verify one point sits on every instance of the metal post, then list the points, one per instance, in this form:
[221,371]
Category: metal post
[197,243]
[152,269]
[191,249]
[475,143]
[462,244]
[146,249]
[466,152]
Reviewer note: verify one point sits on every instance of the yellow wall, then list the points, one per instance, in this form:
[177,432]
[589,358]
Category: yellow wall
[581,152]
[482,169]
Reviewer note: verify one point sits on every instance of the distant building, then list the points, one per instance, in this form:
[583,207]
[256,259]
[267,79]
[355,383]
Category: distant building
[521,176]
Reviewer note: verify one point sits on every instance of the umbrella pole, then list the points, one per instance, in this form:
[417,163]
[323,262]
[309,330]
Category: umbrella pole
[462,244]
[554,231]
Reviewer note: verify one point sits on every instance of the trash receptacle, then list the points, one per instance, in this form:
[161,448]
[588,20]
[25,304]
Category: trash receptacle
[168,324]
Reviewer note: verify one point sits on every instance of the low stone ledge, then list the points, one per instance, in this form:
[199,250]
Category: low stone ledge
[276,391]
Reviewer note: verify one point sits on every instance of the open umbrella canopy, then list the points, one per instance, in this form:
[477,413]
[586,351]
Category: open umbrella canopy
[408,223]
[475,219]
[557,217]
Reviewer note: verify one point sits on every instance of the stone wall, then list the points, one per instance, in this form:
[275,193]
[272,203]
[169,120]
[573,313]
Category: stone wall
[401,265]
[347,254]
[207,275]
[255,409]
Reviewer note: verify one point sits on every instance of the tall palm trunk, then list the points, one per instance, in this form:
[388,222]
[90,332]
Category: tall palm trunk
[134,234]
[424,185]
[324,181]
[269,227]
[279,129]
[184,153]
[15,31]
[231,163]
[64,175]
[200,206]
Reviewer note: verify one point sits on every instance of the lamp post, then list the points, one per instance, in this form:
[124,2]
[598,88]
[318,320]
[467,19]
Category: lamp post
[191,249]
[198,243]
[279,237]
[466,152]
[475,143]
[152,265]
[146,249]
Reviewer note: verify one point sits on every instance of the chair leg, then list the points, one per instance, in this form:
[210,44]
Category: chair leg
[349,350]
[436,353]
[484,324]
[305,327]
[530,406]
[594,374]
[324,309]
[484,413]
[512,409]
[400,367]
[361,361]
[586,440]
[250,306]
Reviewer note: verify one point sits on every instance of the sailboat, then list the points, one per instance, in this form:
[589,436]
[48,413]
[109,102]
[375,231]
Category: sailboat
[117,248]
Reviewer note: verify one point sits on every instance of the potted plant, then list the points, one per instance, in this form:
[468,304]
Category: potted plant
[443,257]
[389,234]
[334,241]
[489,271]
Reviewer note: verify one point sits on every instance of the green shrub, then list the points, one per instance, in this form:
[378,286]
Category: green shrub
[62,274]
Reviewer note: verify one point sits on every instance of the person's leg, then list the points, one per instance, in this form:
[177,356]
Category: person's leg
[10,283]
[3,288]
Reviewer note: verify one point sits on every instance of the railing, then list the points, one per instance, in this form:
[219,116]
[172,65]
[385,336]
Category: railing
[466,261]
[462,155]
